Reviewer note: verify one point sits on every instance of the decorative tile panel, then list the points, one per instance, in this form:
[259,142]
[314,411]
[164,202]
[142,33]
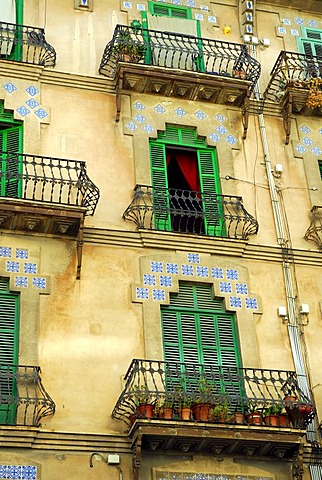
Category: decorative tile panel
[317,151]
[22,253]
[221,129]
[140,7]
[231,139]
[32,103]
[39,283]
[300,148]
[299,20]
[180,112]
[23,111]
[251,303]
[305,129]
[193,257]
[281,30]
[200,114]
[139,106]
[217,272]
[187,270]
[21,282]
[149,279]
[232,274]
[212,19]
[225,287]
[202,271]
[241,288]
[165,281]
[30,268]
[5,252]
[158,294]
[220,117]
[19,472]
[32,91]
[139,118]
[10,87]
[312,23]
[199,16]
[287,21]
[214,137]
[13,267]
[41,113]
[172,268]
[148,128]
[142,293]
[157,267]
[307,141]
[235,302]
[159,109]
[294,32]
[131,126]
[127,4]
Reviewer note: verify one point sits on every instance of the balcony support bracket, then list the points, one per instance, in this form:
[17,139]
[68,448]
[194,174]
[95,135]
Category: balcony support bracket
[287,117]
[245,113]
[119,87]
[136,460]
[79,247]
[297,467]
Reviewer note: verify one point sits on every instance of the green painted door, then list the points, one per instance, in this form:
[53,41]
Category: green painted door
[9,337]
[208,175]
[11,162]
[197,330]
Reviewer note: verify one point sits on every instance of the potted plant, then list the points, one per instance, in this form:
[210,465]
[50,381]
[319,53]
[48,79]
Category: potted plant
[239,414]
[254,415]
[165,408]
[314,100]
[271,415]
[128,49]
[221,412]
[203,404]
[143,401]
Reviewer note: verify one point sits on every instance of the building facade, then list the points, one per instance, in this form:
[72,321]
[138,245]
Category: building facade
[161,236]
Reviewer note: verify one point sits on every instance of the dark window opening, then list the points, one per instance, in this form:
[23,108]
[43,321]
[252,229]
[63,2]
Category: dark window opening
[184,187]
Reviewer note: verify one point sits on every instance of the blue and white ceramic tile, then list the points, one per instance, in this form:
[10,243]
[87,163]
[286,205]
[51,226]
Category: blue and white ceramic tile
[214,137]
[39,283]
[317,151]
[13,267]
[159,109]
[149,279]
[30,268]
[172,268]
[148,128]
[202,271]
[131,126]
[193,257]
[220,117]
[300,148]
[18,472]
[241,288]
[176,2]
[140,7]
[231,139]
[139,106]
[282,30]
[21,282]
[212,19]
[299,20]
[23,111]
[287,21]
[41,113]
[217,272]
[22,253]
[235,302]
[199,16]
[5,252]
[307,141]
[320,131]
[231,274]
[180,112]
[187,270]
[295,32]
[312,23]
[127,4]
[221,129]
[32,91]
[139,118]
[165,281]
[204,8]
[142,293]
[158,294]
[157,267]
[10,87]
[200,114]
[191,3]
[32,103]
[251,303]
[305,129]
[225,287]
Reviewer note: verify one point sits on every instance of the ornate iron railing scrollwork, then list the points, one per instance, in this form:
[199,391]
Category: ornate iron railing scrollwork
[314,232]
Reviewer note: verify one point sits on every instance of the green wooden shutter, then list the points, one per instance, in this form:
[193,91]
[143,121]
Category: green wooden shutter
[11,165]
[169,10]
[161,202]
[9,337]
[196,330]
[210,187]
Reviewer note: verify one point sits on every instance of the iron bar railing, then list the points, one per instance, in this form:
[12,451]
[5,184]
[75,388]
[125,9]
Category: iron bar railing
[292,70]
[26,44]
[23,399]
[152,382]
[186,211]
[175,50]
[314,232]
[47,179]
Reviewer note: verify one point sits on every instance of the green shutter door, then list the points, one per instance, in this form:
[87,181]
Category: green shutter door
[161,204]
[9,330]
[210,188]
[197,331]
[11,165]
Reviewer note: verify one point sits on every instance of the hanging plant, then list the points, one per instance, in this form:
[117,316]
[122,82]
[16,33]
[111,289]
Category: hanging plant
[314,100]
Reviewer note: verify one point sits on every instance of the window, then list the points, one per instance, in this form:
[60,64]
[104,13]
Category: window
[169,10]
[186,186]
[197,330]
[11,135]
[9,330]
[311,45]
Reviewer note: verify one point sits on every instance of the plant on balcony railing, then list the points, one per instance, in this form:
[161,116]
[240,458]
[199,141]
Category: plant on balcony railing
[47,179]
[23,399]
[181,51]
[292,70]
[26,44]
[227,392]
[185,211]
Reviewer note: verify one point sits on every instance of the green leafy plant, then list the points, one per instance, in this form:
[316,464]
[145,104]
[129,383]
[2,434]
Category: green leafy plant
[205,391]
[221,412]
[126,47]
[142,395]
[274,409]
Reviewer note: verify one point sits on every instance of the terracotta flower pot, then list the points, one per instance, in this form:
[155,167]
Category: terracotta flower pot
[145,411]
[203,412]
[283,420]
[254,418]
[271,420]
[185,413]
[239,418]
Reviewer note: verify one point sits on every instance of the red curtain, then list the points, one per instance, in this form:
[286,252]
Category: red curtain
[188,165]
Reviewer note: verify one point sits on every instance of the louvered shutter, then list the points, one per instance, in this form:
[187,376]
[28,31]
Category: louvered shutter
[196,330]
[210,187]
[161,202]
[169,11]
[11,165]
[9,323]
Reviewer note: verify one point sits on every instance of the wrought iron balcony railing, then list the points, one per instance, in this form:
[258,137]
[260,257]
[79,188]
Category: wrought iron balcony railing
[292,70]
[314,232]
[47,179]
[26,44]
[23,399]
[160,384]
[178,51]
[186,211]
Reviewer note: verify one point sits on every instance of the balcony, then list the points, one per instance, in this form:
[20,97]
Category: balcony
[21,43]
[23,399]
[185,211]
[179,65]
[157,393]
[296,86]
[314,232]
[45,195]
